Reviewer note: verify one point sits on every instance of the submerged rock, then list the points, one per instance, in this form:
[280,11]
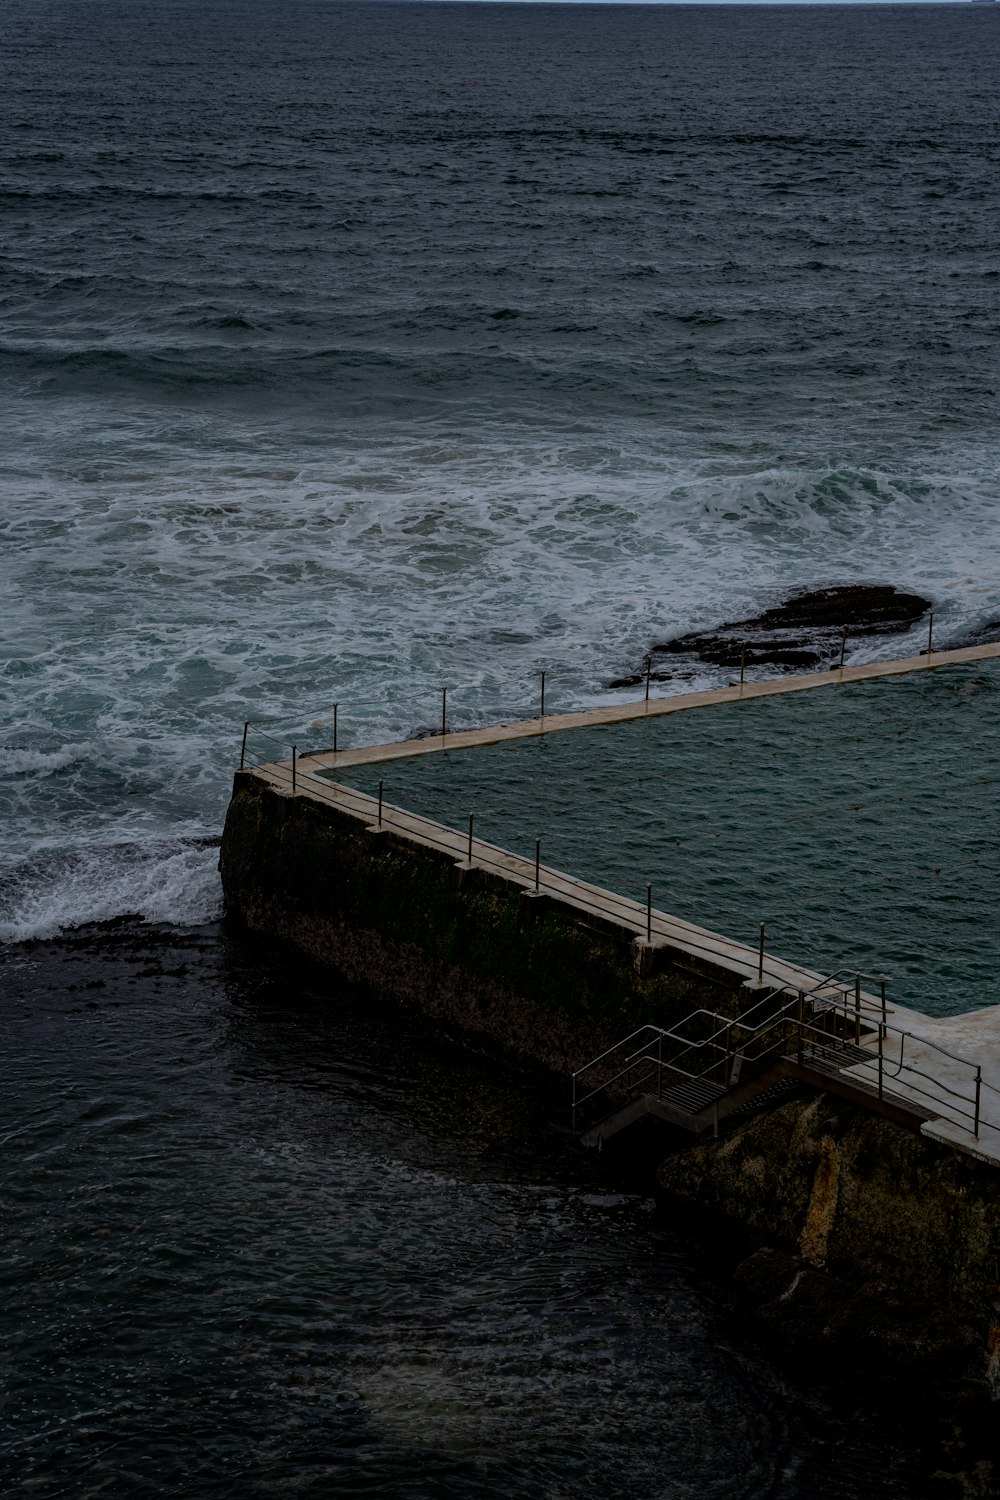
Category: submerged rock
[803,633]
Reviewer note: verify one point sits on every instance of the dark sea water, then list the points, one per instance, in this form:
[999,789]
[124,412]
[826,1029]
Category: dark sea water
[263,1238]
[347,351]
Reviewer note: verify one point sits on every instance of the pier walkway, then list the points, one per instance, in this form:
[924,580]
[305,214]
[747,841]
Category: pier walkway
[617,713]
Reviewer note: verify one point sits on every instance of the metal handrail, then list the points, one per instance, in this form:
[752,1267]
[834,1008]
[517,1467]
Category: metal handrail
[726,1023]
[336,794]
[966,1107]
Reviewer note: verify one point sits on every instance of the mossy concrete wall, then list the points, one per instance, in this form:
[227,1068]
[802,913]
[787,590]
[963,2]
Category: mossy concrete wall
[869,1238]
[534,975]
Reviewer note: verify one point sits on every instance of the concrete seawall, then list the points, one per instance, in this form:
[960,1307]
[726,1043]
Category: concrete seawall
[865,1235]
[535,975]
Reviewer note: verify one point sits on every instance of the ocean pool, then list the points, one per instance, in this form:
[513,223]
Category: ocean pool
[859,824]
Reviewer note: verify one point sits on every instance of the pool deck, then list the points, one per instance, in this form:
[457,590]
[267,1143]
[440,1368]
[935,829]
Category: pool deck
[973,1039]
[619,713]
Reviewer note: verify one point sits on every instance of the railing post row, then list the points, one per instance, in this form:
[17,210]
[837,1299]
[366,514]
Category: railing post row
[243,748]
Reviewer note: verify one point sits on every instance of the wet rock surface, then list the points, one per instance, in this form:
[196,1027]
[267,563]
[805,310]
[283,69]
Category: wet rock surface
[983,635]
[801,634]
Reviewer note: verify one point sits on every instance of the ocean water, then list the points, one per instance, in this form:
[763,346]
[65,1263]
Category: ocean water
[348,351]
[262,1239]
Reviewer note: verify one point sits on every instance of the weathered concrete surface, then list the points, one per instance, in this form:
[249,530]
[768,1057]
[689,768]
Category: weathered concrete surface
[872,1240]
[672,703]
[466,945]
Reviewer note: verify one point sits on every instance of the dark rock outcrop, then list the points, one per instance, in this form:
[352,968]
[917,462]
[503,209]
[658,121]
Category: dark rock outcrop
[803,633]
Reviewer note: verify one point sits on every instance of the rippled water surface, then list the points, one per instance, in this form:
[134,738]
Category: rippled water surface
[261,1238]
[349,350]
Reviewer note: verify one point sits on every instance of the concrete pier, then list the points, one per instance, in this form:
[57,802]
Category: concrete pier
[858,1205]
[943,1054]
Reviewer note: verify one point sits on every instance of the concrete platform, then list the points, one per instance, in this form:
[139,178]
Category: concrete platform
[942,1056]
[946,1083]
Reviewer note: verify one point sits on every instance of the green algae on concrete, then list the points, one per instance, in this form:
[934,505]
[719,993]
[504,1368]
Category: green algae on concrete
[869,1239]
[469,946]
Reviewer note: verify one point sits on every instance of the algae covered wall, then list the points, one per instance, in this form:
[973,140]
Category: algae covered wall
[869,1237]
[535,975]
[866,1236]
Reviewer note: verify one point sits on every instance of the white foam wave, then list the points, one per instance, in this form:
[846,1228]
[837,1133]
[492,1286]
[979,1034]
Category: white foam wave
[25,762]
[170,882]
[199,589]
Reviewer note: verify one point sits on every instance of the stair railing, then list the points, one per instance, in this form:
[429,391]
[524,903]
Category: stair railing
[833,1015]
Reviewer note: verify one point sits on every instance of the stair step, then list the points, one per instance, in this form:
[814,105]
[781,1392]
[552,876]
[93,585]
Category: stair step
[694,1095]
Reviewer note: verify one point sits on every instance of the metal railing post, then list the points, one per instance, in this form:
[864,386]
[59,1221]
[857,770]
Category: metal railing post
[380,785]
[294,756]
[243,748]
[743,661]
[802,1022]
[472,817]
[979,1084]
[335,706]
[444,711]
[649,913]
[541,713]
[538,858]
[649,673]
[930,632]
[857,1010]
[843,645]
[760,956]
